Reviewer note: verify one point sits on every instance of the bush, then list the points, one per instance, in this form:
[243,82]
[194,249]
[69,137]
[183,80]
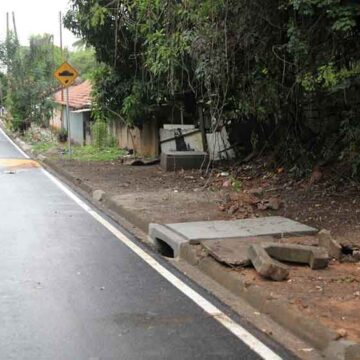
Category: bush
[62,135]
[100,135]
[20,125]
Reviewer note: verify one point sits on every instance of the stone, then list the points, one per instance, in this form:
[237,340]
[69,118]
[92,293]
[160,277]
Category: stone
[233,209]
[326,241]
[41,157]
[257,191]
[265,265]
[272,204]
[226,184]
[98,195]
[341,333]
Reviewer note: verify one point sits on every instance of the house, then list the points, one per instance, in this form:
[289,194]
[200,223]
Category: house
[80,112]
[143,141]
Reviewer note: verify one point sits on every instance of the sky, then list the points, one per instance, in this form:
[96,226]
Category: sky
[35,17]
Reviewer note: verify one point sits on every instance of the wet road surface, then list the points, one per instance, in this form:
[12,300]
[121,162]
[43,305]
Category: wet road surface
[69,289]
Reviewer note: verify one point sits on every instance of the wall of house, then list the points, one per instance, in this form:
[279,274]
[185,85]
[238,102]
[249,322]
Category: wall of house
[76,126]
[55,121]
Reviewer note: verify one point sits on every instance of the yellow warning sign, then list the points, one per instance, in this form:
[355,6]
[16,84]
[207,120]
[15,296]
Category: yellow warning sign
[66,74]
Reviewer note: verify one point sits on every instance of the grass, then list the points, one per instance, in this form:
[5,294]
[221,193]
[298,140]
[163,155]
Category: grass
[92,153]
[42,146]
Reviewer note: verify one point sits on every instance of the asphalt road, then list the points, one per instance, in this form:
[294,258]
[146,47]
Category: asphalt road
[69,289]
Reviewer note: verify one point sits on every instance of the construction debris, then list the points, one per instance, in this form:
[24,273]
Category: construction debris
[266,257]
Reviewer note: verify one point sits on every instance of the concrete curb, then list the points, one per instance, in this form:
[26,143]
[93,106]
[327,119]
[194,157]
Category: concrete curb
[319,336]
[106,199]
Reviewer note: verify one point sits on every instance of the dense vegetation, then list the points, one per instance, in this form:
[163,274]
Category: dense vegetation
[27,86]
[29,79]
[287,69]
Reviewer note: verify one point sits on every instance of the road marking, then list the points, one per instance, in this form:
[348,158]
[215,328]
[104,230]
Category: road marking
[14,144]
[240,332]
[19,163]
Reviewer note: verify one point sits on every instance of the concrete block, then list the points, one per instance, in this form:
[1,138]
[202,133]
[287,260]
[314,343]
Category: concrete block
[315,257]
[177,160]
[326,241]
[265,265]
[267,226]
[166,241]
[98,195]
[342,350]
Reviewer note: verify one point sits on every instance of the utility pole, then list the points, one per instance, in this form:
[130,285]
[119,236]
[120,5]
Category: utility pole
[7,26]
[61,38]
[61,49]
[14,25]
[68,123]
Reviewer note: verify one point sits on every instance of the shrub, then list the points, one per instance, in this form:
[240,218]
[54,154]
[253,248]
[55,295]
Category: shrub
[99,132]
[62,135]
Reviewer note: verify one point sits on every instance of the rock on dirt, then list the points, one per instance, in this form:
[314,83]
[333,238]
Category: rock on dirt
[98,195]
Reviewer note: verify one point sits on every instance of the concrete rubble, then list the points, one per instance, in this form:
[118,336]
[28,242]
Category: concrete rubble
[266,258]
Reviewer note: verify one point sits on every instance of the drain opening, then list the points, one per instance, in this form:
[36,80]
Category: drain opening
[163,248]
[347,250]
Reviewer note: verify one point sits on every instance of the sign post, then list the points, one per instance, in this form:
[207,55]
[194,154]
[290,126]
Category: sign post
[66,75]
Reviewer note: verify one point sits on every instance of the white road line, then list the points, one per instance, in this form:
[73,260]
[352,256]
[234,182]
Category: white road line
[14,144]
[240,332]
[251,341]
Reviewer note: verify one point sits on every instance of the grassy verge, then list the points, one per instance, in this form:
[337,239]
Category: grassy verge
[42,147]
[92,153]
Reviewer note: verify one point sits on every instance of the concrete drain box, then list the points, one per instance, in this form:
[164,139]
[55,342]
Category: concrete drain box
[177,160]
[170,237]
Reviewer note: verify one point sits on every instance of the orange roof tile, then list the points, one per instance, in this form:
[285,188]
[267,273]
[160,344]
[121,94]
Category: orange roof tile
[79,95]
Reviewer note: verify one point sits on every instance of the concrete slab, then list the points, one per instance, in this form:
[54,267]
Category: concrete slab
[175,235]
[268,226]
[233,252]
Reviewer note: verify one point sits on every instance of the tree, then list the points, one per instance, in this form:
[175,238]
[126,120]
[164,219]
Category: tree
[3,88]
[289,68]
[83,59]
[30,79]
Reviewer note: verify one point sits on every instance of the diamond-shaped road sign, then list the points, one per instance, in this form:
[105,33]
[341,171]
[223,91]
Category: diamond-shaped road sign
[66,74]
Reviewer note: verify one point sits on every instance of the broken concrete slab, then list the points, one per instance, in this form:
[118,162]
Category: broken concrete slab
[233,252]
[315,257]
[265,265]
[267,226]
[266,257]
[177,160]
[327,242]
